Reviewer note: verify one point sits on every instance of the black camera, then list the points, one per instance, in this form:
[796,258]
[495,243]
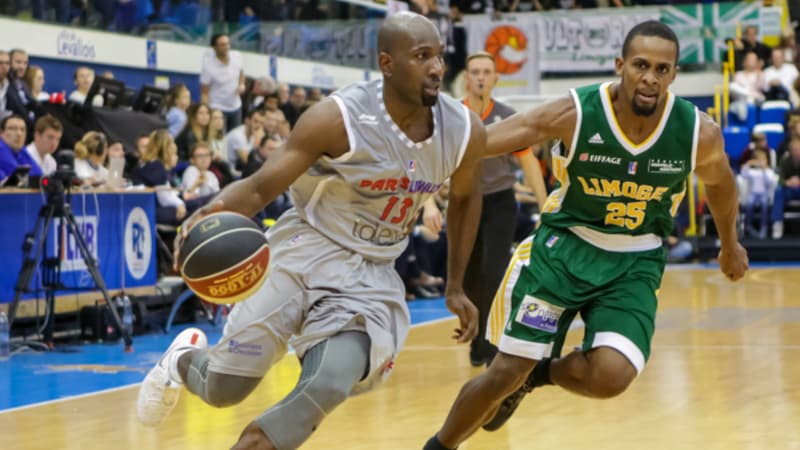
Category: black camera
[64,176]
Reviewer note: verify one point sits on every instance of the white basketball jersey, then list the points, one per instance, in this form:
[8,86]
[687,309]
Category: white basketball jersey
[365,199]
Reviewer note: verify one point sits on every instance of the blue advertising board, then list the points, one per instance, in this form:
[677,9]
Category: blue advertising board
[119,230]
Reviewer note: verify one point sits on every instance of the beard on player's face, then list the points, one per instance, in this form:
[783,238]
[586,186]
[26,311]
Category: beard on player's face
[429,100]
[641,110]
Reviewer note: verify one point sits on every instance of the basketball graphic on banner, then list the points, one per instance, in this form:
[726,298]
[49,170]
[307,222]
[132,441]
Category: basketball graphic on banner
[509,46]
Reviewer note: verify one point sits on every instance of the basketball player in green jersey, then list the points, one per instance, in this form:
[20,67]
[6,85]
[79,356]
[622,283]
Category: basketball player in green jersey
[630,147]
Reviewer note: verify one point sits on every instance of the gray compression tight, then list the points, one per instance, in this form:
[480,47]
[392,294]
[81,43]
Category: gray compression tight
[330,370]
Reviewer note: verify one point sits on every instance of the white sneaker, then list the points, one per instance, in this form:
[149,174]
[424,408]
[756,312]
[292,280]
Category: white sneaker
[777,230]
[159,391]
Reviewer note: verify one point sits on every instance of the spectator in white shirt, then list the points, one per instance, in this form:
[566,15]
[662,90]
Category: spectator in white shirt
[90,155]
[779,78]
[243,139]
[761,182]
[83,79]
[222,80]
[747,86]
[197,180]
[47,133]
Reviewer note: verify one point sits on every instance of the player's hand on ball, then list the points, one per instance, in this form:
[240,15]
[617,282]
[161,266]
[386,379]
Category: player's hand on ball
[733,261]
[210,208]
[459,304]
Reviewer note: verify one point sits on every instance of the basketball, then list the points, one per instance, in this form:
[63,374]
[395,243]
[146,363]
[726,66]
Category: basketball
[224,258]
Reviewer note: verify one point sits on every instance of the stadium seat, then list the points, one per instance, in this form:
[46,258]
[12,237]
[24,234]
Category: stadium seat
[736,139]
[773,131]
[749,123]
[774,111]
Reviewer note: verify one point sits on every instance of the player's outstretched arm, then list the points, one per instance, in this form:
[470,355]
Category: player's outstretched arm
[723,197]
[463,215]
[552,120]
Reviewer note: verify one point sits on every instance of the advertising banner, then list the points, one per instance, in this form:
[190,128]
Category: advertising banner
[513,43]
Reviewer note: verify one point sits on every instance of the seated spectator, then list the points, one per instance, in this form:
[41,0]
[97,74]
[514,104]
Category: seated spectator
[779,79]
[219,150]
[294,107]
[12,140]
[749,43]
[115,149]
[269,144]
[758,141]
[283,94]
[271,102]
[177,102]
[788,186]
[141,146]
[196,129]
[83,79]
[46,137]
[244,138]
[90,157]
[197,180]
[747,85]
[133,156]
[282,127]
[5,67]
[158,159]
[216,136]
[760,181]
[19,99]
[34,79]
[257,91]
[793,132]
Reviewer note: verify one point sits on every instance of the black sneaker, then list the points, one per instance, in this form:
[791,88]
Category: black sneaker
[481,352]
[476,358]
[507,408]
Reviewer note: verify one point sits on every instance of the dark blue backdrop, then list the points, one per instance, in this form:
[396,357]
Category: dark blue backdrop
[119,229]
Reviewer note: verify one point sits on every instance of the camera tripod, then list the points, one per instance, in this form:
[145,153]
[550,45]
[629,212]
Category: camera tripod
[33,249]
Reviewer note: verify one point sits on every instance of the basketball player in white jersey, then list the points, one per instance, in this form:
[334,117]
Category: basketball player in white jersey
[360,166]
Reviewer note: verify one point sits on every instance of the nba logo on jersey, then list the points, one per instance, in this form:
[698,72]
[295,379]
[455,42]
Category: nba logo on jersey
[412,165]
[632,167]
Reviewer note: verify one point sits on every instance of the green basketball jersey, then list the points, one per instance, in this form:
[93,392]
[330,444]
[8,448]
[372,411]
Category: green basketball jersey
[615,194]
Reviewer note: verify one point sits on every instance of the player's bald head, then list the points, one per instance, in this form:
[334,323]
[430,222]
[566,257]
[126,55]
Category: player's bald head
[399,29]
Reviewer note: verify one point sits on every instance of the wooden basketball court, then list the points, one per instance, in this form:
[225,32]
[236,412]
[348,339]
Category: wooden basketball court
[725,374]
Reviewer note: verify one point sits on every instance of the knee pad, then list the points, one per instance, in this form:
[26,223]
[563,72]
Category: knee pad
[217,389]
[330,370]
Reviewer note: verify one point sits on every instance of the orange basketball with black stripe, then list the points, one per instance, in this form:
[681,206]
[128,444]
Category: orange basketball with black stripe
[225,257]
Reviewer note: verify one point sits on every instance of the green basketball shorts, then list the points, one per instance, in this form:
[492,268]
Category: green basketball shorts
[554,275]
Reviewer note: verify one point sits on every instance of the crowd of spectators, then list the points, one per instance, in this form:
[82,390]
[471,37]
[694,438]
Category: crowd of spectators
[768,177]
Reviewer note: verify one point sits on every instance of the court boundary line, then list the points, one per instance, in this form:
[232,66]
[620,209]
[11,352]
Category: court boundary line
[128,386]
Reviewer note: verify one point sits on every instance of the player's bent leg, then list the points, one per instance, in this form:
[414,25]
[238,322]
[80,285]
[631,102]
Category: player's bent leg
[330,371]
[601,372]
[479,399]
[216,389]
